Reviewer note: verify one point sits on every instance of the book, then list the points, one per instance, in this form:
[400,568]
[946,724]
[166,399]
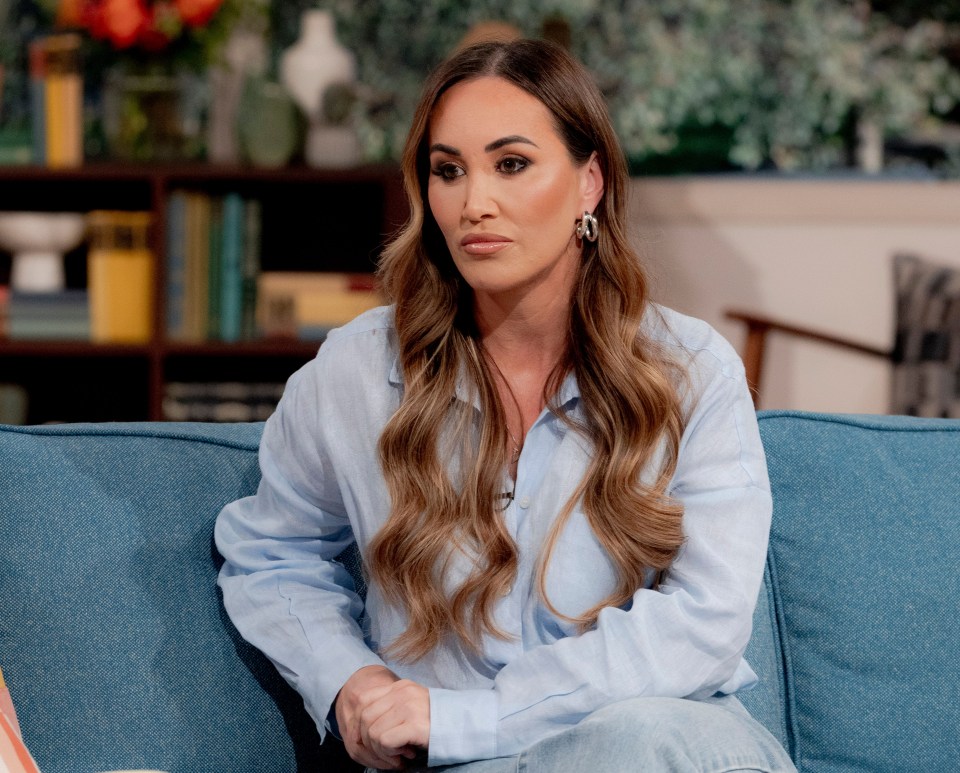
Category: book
[214,270]
[62,315]
[63,100]
[38,101]
[310,304]
[231,268]
[251,267]
[220,401]
[120,277]
[176,267]
[196,262]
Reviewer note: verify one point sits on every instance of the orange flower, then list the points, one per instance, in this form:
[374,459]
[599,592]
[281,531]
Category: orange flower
[120,21]
[196,13]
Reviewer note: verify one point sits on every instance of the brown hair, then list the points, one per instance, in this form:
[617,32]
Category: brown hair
[629,388]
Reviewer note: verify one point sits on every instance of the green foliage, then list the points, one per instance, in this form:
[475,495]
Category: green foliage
[779,82]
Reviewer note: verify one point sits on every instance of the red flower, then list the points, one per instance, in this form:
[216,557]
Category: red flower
[163,26]
[120,21]
[196,13]
[151,24]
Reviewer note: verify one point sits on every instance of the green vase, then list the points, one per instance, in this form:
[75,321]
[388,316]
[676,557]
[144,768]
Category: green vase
[270,124]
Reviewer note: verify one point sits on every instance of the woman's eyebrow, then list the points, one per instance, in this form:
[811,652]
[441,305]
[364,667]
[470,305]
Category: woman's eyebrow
[495,145]
[511,140]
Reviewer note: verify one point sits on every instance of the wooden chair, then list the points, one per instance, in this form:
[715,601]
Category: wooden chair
[759,326]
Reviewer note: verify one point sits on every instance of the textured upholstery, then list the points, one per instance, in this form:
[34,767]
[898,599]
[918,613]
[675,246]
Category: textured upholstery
[114,642]
[864,565]
[116,648]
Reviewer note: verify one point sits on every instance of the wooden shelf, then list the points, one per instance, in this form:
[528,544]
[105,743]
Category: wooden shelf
[313,219]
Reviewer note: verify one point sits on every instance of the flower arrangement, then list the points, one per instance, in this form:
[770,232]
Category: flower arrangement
[156,35]
[153,26]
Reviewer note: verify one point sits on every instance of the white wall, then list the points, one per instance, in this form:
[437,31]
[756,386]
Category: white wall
[812,253]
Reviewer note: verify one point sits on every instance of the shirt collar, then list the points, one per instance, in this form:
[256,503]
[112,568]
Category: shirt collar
[567,395]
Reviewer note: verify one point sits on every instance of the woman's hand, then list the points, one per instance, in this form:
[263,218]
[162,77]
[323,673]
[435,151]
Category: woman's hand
[384,720]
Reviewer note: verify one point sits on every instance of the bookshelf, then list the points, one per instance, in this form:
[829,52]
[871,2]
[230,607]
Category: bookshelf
[311,220]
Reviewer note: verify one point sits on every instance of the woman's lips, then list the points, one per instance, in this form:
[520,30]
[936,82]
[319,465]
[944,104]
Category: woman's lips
[483,244]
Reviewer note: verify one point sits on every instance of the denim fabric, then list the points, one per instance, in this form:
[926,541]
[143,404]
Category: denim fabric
[650,735]
[864,561]
[112,636]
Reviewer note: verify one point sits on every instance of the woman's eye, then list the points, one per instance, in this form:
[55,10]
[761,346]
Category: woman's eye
[513,164]
[447,171]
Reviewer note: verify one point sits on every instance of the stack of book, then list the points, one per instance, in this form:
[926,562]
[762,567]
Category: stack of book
[307,305]
[222,401]
[62,315]
[56,100]
[213,259]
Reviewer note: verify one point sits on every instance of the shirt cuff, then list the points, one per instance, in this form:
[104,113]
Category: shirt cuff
[463,725]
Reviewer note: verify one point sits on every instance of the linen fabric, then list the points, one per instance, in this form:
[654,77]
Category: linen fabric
[863,560]
[926,355]
[321,490]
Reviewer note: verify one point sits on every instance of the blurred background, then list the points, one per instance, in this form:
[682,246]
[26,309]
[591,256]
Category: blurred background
[795,162]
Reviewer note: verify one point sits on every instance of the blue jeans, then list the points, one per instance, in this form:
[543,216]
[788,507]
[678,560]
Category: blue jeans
[659,735]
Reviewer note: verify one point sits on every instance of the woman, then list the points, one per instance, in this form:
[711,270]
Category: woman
[557,487]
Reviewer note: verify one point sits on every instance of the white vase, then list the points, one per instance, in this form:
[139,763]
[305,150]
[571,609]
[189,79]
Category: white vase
[314,62]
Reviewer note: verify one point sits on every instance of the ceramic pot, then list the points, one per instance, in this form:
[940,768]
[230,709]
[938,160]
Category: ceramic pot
[315,61]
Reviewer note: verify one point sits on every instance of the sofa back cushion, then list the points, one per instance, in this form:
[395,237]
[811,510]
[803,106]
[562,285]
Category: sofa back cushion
[864,575]
[114,642]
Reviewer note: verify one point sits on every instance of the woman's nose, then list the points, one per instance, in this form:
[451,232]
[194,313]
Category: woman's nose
[480,201]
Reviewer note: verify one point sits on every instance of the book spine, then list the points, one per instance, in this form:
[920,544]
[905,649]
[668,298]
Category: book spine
[251,267]
[231,260]
[215,257]
[176,265]
[63,97]
[38,102]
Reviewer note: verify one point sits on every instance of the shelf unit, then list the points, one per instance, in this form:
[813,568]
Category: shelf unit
[312,220]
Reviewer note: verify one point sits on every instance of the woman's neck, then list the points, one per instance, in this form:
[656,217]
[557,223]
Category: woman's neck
[523,337]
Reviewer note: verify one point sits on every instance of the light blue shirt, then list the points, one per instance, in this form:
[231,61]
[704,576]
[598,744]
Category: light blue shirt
[322,489]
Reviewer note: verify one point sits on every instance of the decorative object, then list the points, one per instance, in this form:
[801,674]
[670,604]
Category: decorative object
[319,74]
[244,56]
[152,57]
[332,141]
[120,277]
[147,117]
[38,241]
[314,62]
[588,228]
[271,127]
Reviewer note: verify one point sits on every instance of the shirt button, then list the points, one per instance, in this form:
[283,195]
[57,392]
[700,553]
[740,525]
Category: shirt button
[524,502]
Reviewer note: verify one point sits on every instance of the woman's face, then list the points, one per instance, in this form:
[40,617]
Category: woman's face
[505,191]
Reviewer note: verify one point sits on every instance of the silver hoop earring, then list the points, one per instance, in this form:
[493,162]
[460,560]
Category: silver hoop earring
[588,228]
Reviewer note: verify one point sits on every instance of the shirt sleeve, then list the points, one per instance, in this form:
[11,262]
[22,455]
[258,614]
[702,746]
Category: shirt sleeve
[281,588]
[684,639]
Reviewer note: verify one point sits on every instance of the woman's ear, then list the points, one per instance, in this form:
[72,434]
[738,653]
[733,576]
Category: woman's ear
[591,183]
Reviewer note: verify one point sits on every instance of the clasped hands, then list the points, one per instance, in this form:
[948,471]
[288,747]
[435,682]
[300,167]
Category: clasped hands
[384,720]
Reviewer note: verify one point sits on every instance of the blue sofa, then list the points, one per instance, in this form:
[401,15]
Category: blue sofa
[118,654]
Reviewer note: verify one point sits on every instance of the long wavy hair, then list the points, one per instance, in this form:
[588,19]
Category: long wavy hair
[444,473]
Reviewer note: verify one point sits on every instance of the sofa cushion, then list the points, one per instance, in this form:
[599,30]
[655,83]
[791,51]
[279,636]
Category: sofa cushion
[863,560]
[114,642]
